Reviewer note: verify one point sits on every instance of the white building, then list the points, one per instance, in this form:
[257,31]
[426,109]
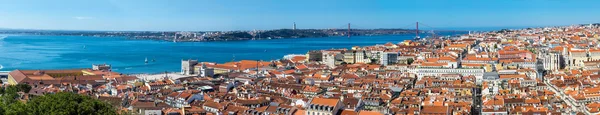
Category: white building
[360,57]
[204,71]
[187,67]
[478,73]
[322,106]
[329,59]
[575,58]
[552,61]
[349,57]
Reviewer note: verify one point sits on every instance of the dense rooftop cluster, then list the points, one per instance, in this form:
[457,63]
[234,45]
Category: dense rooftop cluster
[551,70]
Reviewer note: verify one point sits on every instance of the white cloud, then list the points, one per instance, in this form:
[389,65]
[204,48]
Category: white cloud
[83,18]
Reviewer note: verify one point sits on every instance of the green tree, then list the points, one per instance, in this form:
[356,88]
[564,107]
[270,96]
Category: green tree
[68,104]
[23,87]
[9,98]
[374,60]
[15,88]
[532,50]
[2,90]
[51,104]
[11,89]
[409,61]
[2,108]
[16,108]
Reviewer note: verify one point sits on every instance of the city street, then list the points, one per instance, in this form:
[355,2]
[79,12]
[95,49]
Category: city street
[570,101]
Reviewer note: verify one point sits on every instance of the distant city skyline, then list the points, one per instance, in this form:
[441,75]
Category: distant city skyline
[196,15]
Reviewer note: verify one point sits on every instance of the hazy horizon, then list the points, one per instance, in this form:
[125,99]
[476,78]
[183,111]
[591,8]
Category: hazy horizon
[191,15]
[440,29]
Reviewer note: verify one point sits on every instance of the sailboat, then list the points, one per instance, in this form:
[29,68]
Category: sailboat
[83,46]
[417,38]
[146,60]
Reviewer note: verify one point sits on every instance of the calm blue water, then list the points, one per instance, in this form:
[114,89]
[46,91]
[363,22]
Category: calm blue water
[127,56]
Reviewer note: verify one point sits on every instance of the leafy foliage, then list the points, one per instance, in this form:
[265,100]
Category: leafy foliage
[63,103]
[409,61]
[69,103]
[23,87]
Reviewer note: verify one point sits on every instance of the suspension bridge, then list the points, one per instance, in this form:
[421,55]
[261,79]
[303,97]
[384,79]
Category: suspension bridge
[420,30]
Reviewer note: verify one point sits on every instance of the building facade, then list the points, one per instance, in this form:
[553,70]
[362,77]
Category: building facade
[388,58]
[187,67]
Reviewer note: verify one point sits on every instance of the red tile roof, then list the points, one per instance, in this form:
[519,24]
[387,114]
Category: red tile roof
[324,101]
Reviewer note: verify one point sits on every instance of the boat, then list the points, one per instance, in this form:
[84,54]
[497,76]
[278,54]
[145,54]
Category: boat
[146,60]
[417,38]
[1,66]
[83,46]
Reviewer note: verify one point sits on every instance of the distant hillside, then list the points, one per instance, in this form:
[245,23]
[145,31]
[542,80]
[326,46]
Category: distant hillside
[289,33]
[199,36]
[231,36]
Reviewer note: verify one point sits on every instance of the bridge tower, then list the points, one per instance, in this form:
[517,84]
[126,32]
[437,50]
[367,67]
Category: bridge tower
[417,31]
[349,30]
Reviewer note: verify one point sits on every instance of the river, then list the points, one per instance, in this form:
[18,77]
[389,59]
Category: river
[127,56]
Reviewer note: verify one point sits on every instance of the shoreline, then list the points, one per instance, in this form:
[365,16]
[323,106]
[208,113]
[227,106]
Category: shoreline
[263,39]
[188,41]
[223,36]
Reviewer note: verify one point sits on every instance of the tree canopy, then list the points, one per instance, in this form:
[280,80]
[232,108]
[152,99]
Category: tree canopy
[63,103]
[409,61]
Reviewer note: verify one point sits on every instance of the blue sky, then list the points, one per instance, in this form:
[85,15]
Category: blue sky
[207,15]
